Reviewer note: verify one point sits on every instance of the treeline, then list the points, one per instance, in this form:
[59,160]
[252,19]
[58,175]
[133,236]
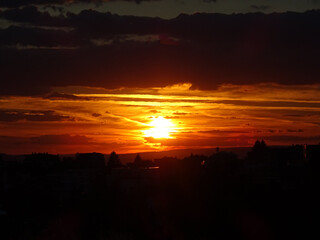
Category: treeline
[270,194]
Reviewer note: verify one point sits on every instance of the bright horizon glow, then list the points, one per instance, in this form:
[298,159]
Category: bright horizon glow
[175,117]
[160,128]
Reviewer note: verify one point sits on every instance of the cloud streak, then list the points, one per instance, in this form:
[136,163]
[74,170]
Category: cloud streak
[117,119]
[36,116]
[95,79]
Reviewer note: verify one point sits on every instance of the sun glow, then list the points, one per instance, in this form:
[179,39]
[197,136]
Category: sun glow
[160,128]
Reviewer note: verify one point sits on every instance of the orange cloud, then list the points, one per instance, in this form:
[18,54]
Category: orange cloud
[109,120]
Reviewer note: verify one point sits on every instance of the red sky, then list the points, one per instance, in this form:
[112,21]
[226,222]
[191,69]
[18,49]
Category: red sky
[85,79]
[106,120]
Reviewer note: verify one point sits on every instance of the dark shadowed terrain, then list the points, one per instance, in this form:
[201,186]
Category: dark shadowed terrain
[269,194]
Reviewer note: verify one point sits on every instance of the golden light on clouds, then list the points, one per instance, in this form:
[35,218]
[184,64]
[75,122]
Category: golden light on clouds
[105,120]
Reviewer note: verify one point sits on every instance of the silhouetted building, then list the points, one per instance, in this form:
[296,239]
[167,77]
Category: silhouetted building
[90,160]
[194,162]
[223,162]
[313,154]
[41,161]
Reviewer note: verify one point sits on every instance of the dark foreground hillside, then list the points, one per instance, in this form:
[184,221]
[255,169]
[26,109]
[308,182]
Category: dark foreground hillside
[271,194]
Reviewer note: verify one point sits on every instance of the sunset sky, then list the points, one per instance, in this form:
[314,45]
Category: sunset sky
[135,76]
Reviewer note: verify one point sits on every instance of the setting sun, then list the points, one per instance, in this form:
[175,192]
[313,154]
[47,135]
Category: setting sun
[160,128]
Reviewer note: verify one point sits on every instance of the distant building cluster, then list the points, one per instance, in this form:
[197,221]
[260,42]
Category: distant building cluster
[151,193]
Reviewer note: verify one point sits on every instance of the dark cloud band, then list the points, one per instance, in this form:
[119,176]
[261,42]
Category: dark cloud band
[19,3]
[112,51]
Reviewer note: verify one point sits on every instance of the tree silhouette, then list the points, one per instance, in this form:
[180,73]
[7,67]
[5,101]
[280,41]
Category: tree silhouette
[114,161]
[138,161]
[260,153]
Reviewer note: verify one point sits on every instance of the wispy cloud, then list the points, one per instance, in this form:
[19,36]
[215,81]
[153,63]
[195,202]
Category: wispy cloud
[231,115]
